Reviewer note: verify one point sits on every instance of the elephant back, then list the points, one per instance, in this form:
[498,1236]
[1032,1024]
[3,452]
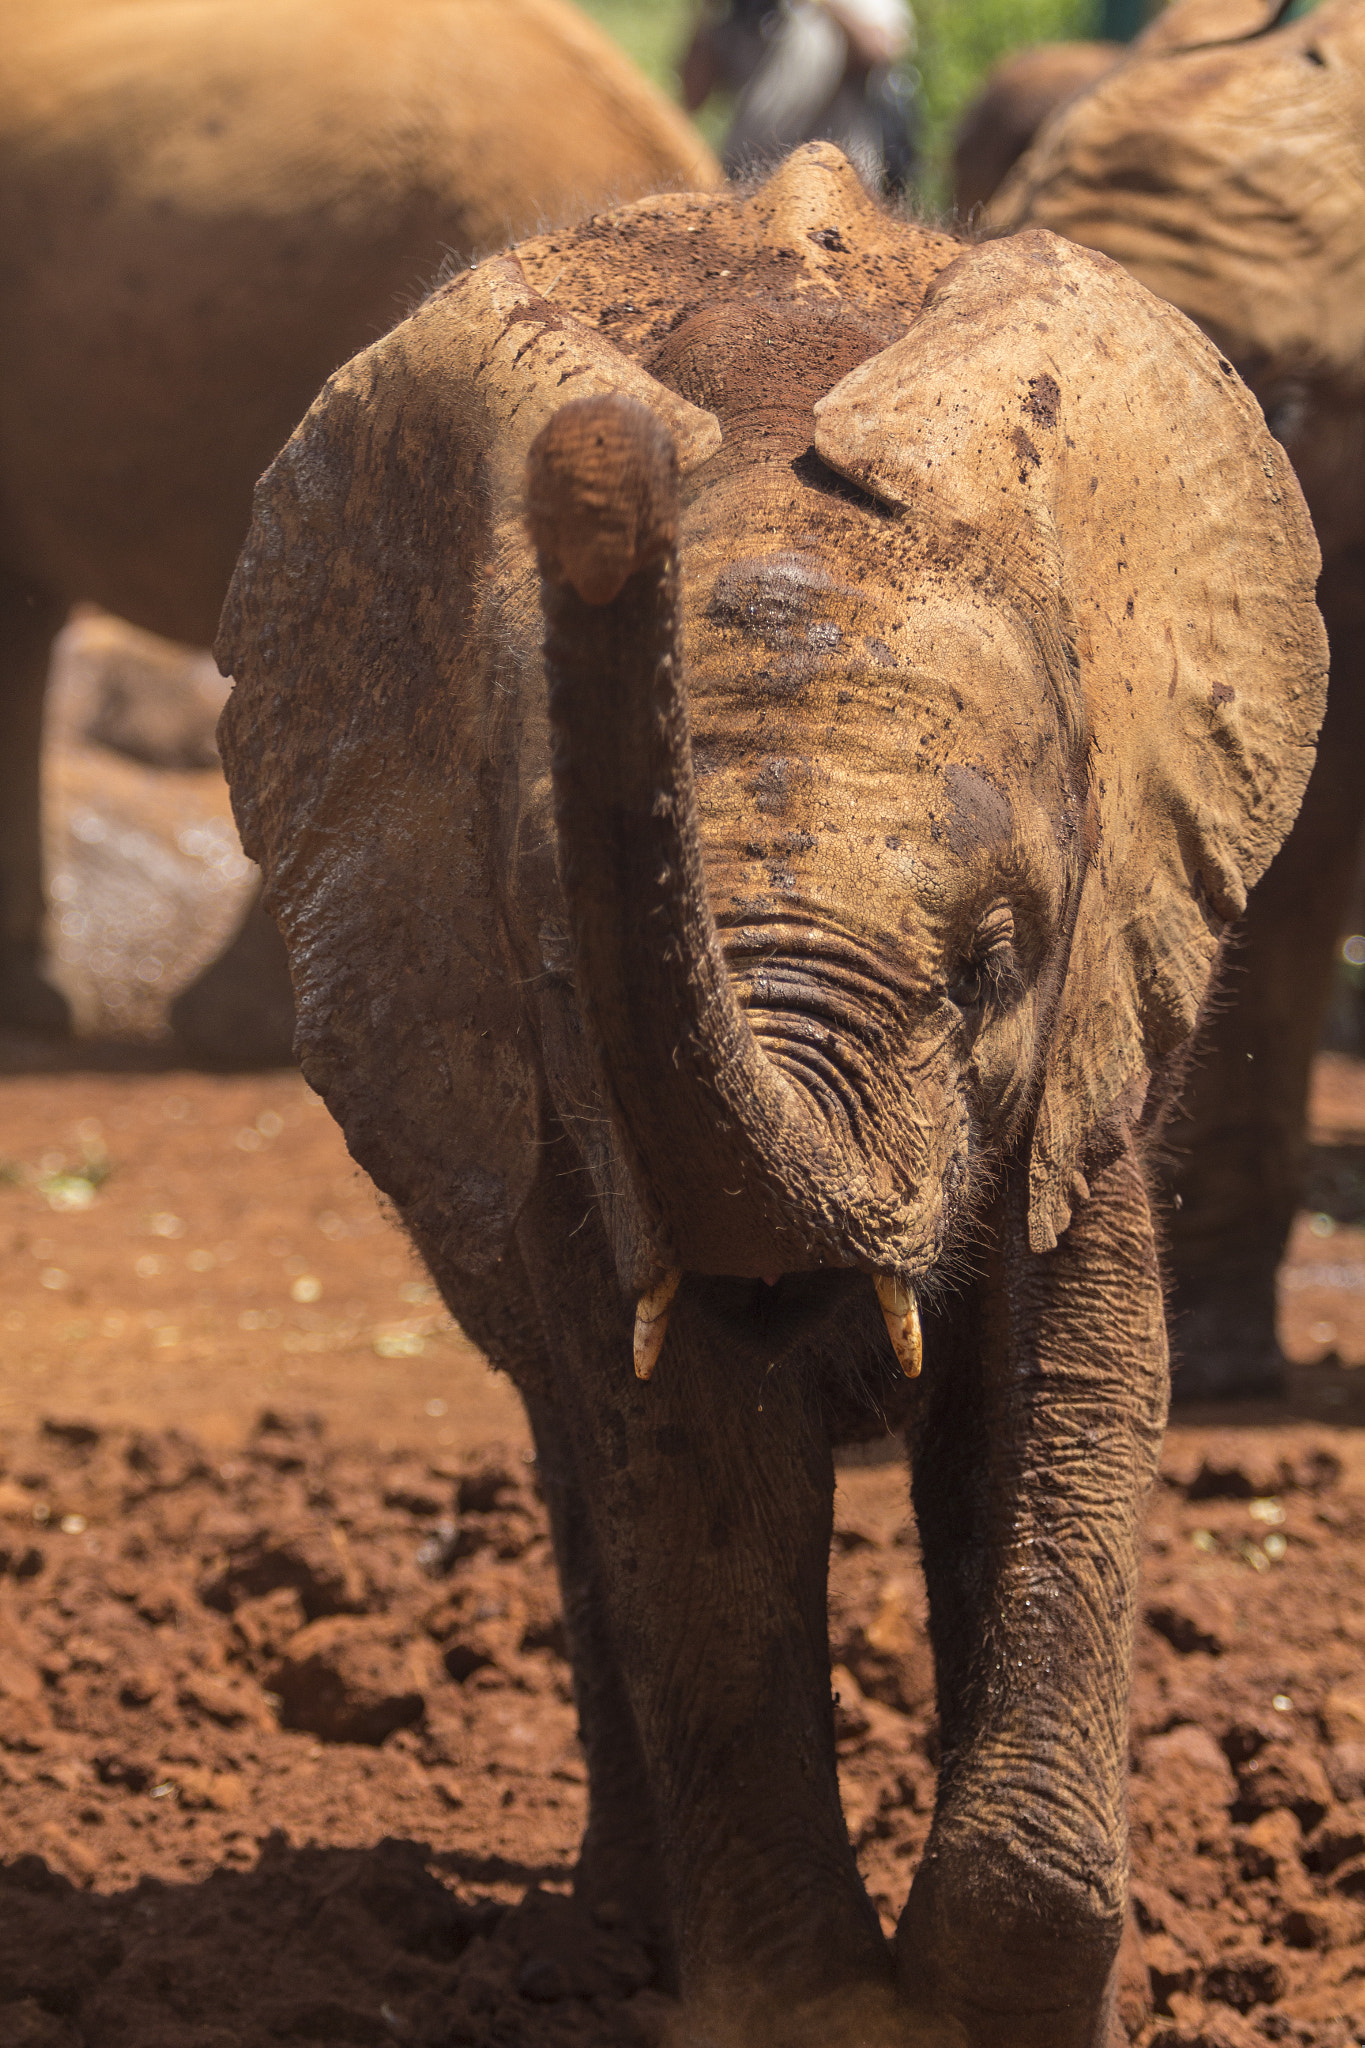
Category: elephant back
[810,231]
[497,114]
[1215,159]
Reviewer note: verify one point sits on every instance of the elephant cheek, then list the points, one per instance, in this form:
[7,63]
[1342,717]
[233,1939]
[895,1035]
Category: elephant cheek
[943,1141]
[1001,1071]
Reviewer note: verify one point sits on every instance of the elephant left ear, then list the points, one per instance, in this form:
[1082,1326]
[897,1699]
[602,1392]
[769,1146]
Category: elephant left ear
[1111,463]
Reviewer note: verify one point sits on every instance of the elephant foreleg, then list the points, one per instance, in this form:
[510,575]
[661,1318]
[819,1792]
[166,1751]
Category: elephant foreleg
[618,1865]
[709,1493]
[29,617]
[1240,1142]
[1032,1457]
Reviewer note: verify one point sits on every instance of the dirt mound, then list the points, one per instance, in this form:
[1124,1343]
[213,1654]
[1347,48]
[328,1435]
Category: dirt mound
[207,1663]
[325,1946]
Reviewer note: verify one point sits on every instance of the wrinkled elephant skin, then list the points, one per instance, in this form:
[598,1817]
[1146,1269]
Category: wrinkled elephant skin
[752,760]
[203,210]
[1229,176]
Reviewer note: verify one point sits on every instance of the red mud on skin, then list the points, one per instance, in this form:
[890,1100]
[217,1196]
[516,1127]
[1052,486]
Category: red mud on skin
[286,1742]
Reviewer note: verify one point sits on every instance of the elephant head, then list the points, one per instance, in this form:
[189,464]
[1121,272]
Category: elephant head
[846,783]
[1226,169]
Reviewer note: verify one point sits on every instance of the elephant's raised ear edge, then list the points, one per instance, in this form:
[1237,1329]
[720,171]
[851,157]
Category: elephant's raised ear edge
[1090,434]
[523,360]
[368,747]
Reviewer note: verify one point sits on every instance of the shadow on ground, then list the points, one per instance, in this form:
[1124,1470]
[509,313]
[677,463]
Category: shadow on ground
[314,1946]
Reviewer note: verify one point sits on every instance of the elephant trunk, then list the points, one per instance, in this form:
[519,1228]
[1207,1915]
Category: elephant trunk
[741,1170]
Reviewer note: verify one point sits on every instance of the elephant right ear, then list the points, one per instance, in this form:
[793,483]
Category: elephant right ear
[380,626]
[1120,480]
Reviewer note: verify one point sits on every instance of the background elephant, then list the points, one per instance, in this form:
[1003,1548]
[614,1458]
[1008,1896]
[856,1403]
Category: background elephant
[1022,91]
[808,70]
[203,210]
[789,956]
[1230,178]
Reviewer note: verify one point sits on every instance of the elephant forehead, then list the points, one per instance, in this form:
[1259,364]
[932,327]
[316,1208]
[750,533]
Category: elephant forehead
[776,598]
[880,680]
[886,788]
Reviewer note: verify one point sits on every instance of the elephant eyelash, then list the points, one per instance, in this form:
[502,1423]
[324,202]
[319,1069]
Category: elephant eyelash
[1000,971]
[991,978]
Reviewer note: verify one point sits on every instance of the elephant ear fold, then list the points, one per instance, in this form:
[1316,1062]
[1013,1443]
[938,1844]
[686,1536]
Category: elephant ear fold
[1111,463]
[384,639]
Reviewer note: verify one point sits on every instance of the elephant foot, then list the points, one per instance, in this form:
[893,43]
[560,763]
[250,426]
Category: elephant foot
[1014,1956]
[1223,1342]
[28,1002]
[618,1884]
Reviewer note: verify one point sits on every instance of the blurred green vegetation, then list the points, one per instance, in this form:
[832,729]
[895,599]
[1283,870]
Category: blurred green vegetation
[655,33]
[959,40]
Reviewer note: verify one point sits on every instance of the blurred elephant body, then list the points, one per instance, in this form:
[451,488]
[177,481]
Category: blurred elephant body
[1229,176]
[203,209]
[762,905]
[1022,92]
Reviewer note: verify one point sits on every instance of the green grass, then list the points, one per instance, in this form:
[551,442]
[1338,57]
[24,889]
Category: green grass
[959,40]
[655,33]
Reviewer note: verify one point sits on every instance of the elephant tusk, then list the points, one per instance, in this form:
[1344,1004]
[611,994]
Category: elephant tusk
[651,1322]
[901,1309]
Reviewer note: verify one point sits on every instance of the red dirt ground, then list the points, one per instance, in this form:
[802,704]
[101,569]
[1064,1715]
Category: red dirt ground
[287,1752]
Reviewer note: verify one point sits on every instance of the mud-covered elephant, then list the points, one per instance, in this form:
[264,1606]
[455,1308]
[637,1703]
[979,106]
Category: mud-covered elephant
[1229,176]
[747,925]
[203,210]
[1021,92]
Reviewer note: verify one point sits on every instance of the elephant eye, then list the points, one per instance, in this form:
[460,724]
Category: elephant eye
[989,976]
[968,987]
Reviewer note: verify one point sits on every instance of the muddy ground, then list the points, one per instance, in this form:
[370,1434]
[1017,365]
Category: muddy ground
[287,1748]
[286,1743]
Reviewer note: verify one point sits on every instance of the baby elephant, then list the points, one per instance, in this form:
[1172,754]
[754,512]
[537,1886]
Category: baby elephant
[756,720]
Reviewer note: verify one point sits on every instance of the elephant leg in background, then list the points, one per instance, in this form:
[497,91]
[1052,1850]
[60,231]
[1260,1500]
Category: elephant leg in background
[710,1495]
[1033,1456]
[29,617]
[1239,1141]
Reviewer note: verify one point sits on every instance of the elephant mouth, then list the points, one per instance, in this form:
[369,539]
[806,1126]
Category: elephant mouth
[796,1315]
[828,1326]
